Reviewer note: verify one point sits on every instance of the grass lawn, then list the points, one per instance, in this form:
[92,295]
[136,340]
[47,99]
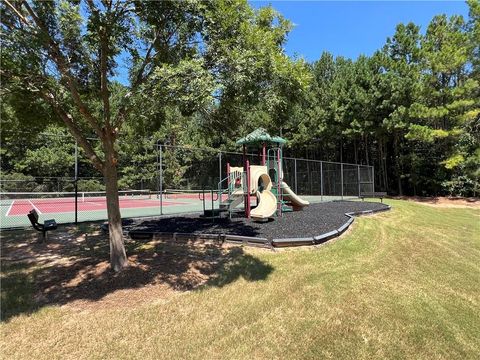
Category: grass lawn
[401,284]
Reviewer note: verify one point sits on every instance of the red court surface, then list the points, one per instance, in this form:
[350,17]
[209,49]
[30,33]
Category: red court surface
[46,206]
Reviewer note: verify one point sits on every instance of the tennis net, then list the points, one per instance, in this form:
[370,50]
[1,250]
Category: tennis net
[186,194]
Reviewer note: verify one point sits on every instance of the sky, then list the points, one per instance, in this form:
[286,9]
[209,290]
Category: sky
[352,28]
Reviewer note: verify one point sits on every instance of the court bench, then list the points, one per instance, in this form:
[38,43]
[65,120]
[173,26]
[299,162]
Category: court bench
[46,226]
[379,195]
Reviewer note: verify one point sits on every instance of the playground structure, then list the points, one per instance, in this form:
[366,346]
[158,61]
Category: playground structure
[264,182]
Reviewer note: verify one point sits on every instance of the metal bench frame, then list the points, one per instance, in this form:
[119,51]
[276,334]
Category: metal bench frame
[46,226]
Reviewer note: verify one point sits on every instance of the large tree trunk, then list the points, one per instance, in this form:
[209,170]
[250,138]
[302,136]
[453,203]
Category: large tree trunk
[366,150]
[118,256]
[380,163]
[385,166]
[397,164]
[383,162]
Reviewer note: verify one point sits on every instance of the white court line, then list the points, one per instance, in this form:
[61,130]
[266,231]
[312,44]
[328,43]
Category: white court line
[39,212]
[91,202]
[10,208]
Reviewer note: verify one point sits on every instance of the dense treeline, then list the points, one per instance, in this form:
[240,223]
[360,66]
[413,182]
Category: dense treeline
[411,109]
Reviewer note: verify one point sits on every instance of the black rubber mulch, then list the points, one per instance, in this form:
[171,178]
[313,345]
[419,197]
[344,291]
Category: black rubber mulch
[314,220]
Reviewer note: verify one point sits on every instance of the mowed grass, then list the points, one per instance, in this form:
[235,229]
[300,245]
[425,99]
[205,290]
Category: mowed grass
[401,284]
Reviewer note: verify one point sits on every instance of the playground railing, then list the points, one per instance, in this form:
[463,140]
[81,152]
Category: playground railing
[203,199]
[231,181]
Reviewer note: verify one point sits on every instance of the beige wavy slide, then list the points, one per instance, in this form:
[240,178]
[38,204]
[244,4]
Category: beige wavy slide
[289,195]
[267,205]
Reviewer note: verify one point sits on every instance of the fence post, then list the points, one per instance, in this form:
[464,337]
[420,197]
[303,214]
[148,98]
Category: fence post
[341,177]
[76,182]
[309,177]
[219,166]
[279,181]
[160,173]
[321,180]
[247,199]
[295,172]
[373,179]
[358,180]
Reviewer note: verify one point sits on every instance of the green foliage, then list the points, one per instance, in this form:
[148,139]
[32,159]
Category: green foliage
[425,133]
[462,185]
[175,167]
[454,161]
[188,84]
[54,155]
[17,182]
[90,185]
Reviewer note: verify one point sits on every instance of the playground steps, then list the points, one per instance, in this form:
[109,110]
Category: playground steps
[213,213]
[286,207]
[226,206]
[232,202]
[219,213]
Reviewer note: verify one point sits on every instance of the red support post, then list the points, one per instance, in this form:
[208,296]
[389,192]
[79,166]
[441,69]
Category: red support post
[247,199]
[264,154]
[279,181]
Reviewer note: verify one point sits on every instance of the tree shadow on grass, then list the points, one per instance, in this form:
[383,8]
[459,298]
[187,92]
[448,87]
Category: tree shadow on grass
[240,265]
[74,268]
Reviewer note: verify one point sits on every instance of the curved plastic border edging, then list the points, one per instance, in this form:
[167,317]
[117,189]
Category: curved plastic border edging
[256,241]
[319,239]
[192,237]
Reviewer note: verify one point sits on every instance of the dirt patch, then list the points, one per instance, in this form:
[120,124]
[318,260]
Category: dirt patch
[155,273]
[442,201]
[72,268]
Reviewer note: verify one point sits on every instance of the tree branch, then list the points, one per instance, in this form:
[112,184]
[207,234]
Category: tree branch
[123,111]
[57,57]
[139,78]
[103,76]
[77,133]
[16,11]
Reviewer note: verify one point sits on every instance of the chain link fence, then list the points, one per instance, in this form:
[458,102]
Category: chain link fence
[165,179]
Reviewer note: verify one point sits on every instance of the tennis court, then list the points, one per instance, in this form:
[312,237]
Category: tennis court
[92,205]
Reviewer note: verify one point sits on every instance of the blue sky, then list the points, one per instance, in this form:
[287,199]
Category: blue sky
[353,28]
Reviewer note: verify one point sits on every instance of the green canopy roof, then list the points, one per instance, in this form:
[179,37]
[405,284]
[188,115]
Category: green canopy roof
[260,136]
